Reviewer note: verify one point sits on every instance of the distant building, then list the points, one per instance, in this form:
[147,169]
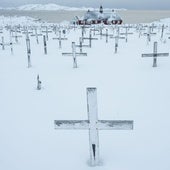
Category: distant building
[98,17]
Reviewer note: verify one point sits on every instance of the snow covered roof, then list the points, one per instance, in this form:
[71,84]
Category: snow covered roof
[96,15]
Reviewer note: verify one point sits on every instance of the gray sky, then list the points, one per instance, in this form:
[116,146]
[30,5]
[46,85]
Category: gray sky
[129,4]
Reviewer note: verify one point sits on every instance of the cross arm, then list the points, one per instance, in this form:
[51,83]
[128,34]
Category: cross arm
[115,124]
[156,55]
[71,124]
[67,54]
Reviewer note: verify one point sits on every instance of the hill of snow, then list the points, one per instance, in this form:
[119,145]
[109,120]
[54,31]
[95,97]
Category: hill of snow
[52,7]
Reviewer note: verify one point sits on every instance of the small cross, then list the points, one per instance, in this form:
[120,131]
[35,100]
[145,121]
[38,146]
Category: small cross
[93,125]
[90,39]
[74,54]
[36,35]
[155,54]
[126,33]
[81,45]
[60,39]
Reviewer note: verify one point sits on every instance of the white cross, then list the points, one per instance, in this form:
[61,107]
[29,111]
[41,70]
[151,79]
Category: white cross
[74,54]
[93,125]
[155,54]
[36,35]
[60,39]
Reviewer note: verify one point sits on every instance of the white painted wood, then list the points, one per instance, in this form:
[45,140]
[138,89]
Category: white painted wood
[93,125]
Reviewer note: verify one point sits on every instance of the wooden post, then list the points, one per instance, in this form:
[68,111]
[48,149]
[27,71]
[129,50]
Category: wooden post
[28,51]
[45,44]
[93,131]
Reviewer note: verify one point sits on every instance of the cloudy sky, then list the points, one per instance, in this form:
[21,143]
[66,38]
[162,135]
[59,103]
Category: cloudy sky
[129,4]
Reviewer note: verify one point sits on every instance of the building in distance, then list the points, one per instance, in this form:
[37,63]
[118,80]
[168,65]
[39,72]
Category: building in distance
[98,17]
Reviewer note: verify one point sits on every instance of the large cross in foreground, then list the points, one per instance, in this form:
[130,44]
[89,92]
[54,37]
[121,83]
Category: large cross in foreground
[93,125]
[155,54]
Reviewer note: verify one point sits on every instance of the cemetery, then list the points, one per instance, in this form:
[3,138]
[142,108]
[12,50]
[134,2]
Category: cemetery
[84,96]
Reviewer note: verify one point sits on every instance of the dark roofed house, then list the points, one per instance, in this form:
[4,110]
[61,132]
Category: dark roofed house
[98,17]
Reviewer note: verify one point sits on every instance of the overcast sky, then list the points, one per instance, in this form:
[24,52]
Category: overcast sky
[129,4]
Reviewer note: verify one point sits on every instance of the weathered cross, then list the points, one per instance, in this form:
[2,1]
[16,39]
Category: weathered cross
[46,32]
[3,44]
[117,41]
[36,35]
[126,33]
[16,36]
[74,54]
[81,45]
[60,39]
[148,34]
[93,125]
[90,39]
[155,54]
[106,35]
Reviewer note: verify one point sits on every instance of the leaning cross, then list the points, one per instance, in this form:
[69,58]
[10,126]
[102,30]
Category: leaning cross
[74,54]
[155,54]
[93,125]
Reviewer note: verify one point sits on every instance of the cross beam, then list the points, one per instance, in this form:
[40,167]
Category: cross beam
[155,54]
[93,125]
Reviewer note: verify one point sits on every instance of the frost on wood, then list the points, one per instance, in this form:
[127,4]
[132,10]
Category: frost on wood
[93,125]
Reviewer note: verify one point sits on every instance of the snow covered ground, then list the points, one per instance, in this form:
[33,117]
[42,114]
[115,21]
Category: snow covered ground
[128,88]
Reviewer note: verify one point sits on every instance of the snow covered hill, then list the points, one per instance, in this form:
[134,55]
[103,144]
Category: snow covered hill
[51,7]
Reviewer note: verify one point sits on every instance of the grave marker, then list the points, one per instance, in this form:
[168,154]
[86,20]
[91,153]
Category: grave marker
[155,54]
[93,125]
[74,54]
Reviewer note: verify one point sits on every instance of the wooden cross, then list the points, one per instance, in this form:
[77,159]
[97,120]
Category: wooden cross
[60,39]
[155,54]
[46,31]
[16,36]
[74,54]
[36,35]
[126,33]
[93,125]
[117,41]
[106,35]
[148,34]
[3,44]
[90,39]
[81,45]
